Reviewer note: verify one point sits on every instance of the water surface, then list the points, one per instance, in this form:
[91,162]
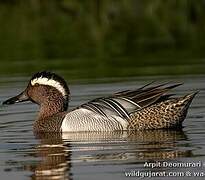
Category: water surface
[25,155]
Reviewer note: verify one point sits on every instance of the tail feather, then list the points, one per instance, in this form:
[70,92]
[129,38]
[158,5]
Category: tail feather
[186,100]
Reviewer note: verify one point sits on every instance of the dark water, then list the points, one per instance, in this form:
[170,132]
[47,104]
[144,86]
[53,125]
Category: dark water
[24,155]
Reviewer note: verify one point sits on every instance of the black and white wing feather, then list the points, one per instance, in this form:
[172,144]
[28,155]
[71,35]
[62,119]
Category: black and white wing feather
[125,102]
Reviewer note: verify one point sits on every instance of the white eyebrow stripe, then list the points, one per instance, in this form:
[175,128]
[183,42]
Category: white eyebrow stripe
[49,82]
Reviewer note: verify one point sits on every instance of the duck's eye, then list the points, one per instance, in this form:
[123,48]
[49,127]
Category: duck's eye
[37,84]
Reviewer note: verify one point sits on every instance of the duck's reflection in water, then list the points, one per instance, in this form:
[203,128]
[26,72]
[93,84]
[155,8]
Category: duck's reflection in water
[55,149]
[161,145]
[55,163]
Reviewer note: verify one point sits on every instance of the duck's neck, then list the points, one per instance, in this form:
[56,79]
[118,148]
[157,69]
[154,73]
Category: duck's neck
[50,108]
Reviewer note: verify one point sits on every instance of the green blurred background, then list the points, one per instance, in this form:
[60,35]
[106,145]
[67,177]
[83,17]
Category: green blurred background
[102,38]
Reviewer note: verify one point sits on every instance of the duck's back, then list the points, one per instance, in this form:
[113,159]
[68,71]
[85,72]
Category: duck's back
[144,108]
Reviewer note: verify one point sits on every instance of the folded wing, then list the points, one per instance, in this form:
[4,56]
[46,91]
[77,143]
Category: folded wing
[123,103]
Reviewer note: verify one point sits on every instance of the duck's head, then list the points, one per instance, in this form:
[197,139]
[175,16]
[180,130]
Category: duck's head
[44,88]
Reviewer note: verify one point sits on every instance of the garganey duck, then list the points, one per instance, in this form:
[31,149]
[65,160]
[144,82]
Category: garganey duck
[149,107]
